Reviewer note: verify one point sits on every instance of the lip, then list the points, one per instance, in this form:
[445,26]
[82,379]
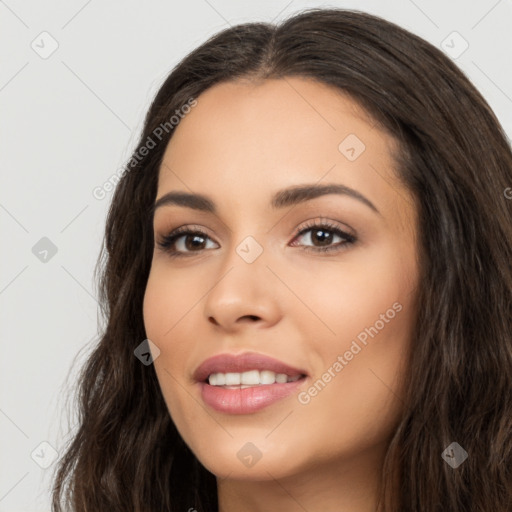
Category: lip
[224,363]
[248,400]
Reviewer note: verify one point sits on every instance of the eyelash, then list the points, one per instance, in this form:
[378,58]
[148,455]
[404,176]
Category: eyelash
[167,241]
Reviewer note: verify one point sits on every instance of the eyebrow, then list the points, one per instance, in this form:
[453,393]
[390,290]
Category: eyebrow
[281,199]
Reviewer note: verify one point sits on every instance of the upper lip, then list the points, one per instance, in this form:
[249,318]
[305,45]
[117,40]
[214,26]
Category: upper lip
[224,363]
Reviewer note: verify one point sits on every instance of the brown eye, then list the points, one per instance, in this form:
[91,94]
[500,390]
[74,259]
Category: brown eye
[182,241]
[322,236]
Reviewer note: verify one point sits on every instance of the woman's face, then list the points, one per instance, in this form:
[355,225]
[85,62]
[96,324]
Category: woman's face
[251,283]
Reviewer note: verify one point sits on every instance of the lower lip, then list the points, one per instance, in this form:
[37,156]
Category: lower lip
[248,400]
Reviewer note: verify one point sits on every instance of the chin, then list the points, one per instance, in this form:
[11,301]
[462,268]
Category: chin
[247,461]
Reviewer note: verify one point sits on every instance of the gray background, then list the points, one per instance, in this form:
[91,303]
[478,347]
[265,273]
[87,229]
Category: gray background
[70,121]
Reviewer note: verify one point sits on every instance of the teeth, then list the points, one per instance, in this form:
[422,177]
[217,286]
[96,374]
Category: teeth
[267,377]
[232,379]
[249,378]
[281,377]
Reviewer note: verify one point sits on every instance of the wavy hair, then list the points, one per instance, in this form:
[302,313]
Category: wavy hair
[454,158]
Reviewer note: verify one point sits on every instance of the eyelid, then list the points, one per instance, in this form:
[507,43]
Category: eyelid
[325,222]
[311,223]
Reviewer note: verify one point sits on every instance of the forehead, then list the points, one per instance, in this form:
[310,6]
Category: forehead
[247,140]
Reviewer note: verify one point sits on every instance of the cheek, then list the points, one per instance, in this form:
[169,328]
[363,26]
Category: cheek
[170,316]
[167,316]
[165,303]
[163,319]
[162,313]
[347,296]
[366,308]
[153,304]
[370,309]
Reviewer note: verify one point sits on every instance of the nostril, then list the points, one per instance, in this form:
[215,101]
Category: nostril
[250,317]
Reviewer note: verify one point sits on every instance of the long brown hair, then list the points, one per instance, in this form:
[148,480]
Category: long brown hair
[455,159]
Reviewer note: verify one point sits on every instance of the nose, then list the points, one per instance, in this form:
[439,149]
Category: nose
[245,293]
[242,319]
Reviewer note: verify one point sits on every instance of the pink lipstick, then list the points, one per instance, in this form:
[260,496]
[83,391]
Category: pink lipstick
[246,383]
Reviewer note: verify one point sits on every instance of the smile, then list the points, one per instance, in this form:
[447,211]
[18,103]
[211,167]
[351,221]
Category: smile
[246,383]
[250,378]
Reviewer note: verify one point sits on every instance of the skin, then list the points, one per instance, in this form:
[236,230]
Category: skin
[240,144]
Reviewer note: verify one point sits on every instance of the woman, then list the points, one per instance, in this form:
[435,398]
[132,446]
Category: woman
[250,361]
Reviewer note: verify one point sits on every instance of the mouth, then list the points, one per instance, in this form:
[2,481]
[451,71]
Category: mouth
[249,379]
[247,369]
[246,383]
